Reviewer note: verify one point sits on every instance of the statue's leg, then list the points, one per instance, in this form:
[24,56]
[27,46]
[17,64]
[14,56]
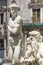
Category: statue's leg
[10,52]
[13,60]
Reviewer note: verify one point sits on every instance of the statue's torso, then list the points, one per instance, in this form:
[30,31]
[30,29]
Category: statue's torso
[14,39]
[14,22]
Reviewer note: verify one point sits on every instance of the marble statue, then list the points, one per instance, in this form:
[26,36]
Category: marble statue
[14,34]
[36,44]
[36,35]
[36,39]
[34,52]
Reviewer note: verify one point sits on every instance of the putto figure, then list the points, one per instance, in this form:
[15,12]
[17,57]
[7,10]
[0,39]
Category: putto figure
[14,33]
[34,52]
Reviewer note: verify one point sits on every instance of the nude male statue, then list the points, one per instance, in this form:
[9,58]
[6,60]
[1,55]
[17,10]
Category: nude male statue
[14,33]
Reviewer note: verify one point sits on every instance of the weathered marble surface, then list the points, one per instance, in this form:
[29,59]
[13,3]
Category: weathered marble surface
[34,53]
[14,34]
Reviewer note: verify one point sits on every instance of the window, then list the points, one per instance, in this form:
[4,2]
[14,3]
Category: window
[1,19]
[2,2]
[1,48]
[1,44]
[36,15]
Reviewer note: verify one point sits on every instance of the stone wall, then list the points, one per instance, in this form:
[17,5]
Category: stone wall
[24,12]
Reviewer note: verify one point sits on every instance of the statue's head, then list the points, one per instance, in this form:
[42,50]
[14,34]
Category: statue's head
[36,35]
[13,9]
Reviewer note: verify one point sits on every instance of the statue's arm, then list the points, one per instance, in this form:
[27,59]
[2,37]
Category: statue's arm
[14,29]
[9,29]
[17,27]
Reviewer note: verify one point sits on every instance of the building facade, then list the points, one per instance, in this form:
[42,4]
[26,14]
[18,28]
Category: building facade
[31,12]
[4,17]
